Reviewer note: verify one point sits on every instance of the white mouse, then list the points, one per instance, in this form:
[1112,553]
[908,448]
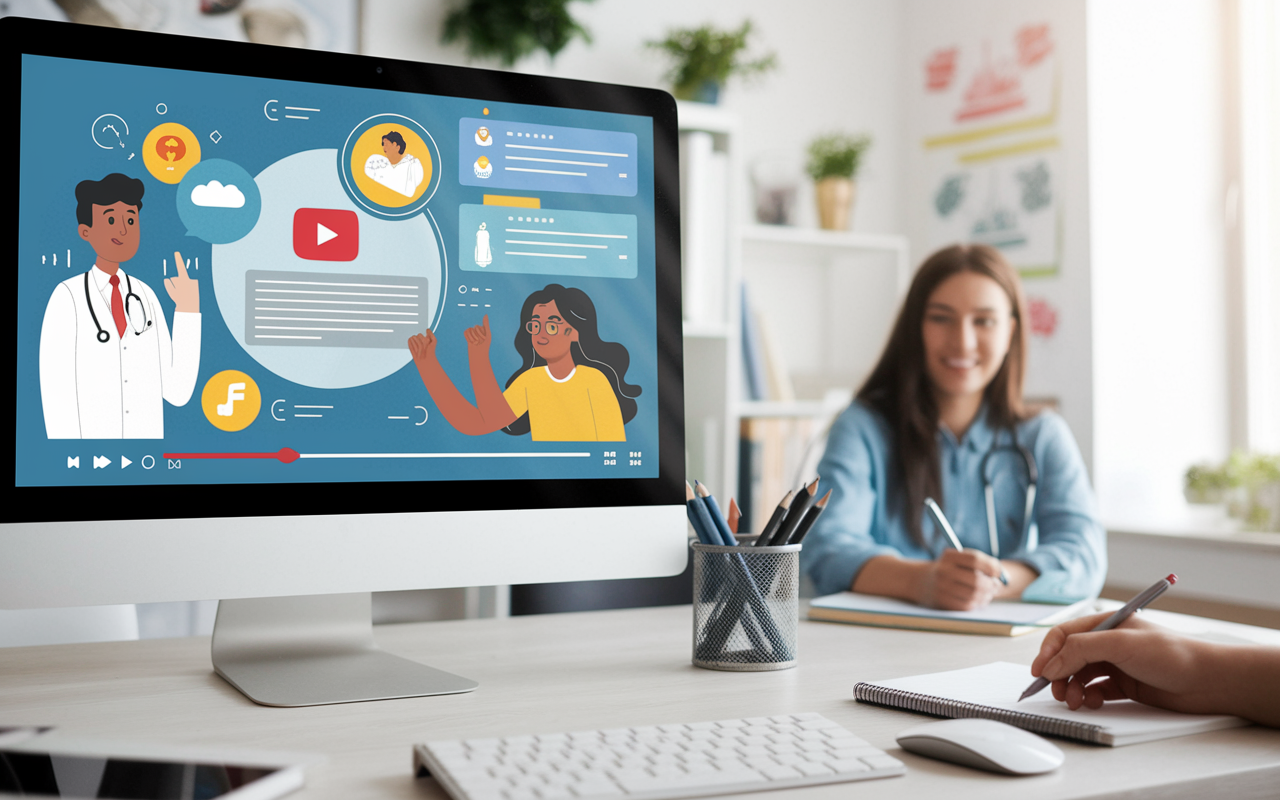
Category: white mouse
[984,744]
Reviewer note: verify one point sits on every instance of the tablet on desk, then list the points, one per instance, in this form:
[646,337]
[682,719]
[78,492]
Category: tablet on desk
[74,769]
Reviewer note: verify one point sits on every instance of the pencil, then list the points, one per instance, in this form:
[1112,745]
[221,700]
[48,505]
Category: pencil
[810,517]
[775,519]
[735,515]
[799,507]
[699,518]
[717,516]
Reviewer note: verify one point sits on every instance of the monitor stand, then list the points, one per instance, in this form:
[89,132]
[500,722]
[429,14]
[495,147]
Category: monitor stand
[315,650]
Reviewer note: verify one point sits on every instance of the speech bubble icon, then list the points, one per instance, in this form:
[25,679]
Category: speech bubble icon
[218,201]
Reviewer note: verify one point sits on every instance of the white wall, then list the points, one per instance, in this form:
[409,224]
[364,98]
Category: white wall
[1156,216]
[838,70]
[1059,366]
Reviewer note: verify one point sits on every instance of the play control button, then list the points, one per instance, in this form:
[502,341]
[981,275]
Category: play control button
[124,462]
[326,234]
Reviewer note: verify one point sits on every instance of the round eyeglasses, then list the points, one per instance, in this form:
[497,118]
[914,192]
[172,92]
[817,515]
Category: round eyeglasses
[552,328]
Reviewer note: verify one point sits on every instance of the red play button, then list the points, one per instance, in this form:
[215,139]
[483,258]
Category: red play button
[326,234]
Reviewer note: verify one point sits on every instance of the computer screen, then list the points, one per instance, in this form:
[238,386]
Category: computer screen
[290,322]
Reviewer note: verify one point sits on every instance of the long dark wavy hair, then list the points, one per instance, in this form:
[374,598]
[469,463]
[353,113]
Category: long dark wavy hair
[899,389]
[611,358]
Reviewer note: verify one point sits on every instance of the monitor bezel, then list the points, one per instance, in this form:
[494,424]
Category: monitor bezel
[20,37]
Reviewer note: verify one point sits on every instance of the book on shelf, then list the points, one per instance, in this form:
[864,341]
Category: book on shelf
[754,371]
[770,455]
[777,377]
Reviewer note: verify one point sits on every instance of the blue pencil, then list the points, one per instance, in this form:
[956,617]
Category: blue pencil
[700,519]
[717,517]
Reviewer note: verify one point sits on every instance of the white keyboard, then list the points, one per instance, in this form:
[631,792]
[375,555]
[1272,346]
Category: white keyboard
[655,761]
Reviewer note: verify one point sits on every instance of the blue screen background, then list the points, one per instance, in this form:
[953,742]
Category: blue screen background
[61,98]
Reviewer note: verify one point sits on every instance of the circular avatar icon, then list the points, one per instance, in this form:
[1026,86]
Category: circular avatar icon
[169,151]
[389,164]
[231,400]
[483,137]
[218,201]
[483,167]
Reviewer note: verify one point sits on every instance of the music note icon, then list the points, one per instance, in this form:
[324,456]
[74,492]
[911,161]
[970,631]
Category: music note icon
[231,400]
[235,392]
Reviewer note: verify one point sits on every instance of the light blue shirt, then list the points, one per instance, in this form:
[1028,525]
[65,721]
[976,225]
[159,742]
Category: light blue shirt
[862,522]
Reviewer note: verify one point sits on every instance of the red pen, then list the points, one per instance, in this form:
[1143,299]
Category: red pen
[1144,599]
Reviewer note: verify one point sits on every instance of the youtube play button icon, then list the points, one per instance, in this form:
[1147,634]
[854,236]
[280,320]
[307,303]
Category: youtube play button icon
[326,234]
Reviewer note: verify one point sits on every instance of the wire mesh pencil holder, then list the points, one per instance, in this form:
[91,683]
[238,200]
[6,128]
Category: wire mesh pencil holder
[746,606]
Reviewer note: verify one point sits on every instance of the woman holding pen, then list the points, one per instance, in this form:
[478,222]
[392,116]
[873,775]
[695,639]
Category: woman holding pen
[942,417]
[1138,660]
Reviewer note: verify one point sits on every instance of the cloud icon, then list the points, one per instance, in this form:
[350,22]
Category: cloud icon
[214,195]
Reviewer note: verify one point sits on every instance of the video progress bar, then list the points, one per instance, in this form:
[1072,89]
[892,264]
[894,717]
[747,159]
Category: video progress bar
[444,455]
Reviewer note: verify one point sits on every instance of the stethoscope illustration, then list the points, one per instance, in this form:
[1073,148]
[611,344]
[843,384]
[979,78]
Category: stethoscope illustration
[105,337]
[990,492]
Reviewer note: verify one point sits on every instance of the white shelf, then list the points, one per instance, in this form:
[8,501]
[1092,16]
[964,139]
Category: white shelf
[822,239]
[768,408]
[705,330]
[704,117]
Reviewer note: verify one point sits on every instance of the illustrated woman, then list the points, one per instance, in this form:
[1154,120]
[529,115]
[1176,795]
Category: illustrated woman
[942,416]
[570,387]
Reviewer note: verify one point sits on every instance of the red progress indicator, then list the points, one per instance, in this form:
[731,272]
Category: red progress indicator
[286,455]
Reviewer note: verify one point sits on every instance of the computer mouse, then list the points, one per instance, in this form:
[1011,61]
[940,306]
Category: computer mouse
[983,744]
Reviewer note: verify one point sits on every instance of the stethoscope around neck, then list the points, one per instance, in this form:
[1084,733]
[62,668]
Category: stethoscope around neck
[990,492]
[103,336]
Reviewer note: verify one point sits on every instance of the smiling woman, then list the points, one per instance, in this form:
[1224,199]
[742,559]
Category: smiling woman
[942,417]
[570,387]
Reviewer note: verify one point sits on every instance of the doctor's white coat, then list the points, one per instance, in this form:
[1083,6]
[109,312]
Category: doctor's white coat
[114,389]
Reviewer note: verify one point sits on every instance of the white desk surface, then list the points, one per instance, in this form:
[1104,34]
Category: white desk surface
[570,672]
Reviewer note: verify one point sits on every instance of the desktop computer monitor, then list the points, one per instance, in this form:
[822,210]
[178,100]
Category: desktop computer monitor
[291,327]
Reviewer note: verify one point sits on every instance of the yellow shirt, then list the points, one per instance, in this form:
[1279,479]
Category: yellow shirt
[580,408]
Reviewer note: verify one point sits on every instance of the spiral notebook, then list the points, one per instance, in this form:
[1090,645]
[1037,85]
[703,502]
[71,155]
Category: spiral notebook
[991,692]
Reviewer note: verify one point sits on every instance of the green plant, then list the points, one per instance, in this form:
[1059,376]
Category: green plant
[1251,470]
[1206,483]
[706,55]
[836,155]
[509,30]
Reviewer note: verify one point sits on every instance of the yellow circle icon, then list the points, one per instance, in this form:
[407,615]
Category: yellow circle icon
[231,400]
[391,165]
[169,151]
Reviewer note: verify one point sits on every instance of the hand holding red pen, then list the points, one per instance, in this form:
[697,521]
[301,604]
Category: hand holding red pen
[1138,660]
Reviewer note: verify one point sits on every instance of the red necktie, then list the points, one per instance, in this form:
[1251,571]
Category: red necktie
[117,305]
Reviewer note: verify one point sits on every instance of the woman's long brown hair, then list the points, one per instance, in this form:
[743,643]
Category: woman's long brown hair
[898,388]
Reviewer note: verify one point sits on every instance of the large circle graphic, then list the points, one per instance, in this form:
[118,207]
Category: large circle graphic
[306,218]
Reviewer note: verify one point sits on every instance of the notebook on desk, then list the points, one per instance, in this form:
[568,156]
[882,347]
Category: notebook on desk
[991,691]
[998,619]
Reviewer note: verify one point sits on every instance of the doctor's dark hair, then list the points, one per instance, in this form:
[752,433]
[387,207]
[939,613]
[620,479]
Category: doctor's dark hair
[395,138]
[115,188]
[898,388]
[611,358]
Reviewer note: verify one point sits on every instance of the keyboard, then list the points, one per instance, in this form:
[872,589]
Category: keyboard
[655,761]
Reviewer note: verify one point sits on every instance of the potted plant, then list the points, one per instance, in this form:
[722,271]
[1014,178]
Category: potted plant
[1248,484]
[1205,484]
[509,30]
[833,163]
[704,58]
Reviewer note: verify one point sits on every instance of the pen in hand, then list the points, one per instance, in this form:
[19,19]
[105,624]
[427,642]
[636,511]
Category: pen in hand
[1142,600]
[938,517]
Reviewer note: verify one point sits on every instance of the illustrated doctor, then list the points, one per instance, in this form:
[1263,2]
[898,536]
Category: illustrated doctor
[107,361]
